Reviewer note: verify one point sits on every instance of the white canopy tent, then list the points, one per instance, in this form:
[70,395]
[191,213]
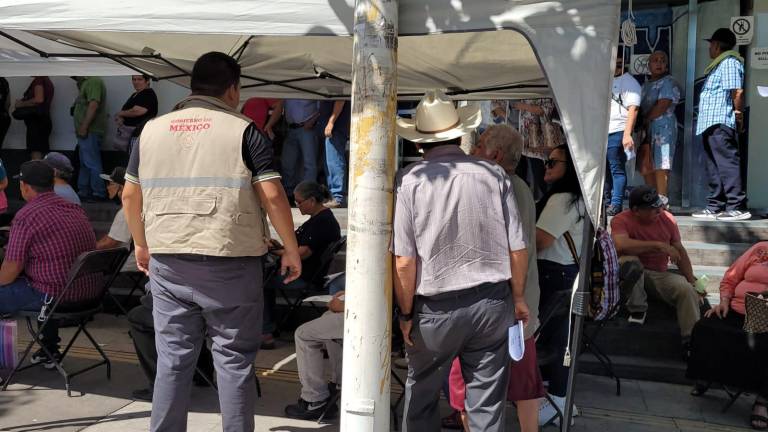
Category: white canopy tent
[303,48]
[18,59]
[474,50]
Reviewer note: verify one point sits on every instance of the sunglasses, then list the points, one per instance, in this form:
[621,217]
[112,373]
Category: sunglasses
[550,163]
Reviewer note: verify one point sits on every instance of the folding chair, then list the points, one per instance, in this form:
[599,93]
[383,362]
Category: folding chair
[315,285]
[106,263]
[558,308]
[589,344]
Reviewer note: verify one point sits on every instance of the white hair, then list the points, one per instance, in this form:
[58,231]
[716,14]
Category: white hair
[507,140]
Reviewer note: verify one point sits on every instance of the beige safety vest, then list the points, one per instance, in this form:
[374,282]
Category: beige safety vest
[197,192]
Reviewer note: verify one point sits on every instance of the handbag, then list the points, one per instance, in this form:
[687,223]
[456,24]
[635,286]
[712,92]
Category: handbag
[756,307]
[645,159]
[26,113]
[544,135]
[8,354]
[123,137]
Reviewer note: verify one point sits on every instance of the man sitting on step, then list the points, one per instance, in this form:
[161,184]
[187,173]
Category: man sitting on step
[647,238]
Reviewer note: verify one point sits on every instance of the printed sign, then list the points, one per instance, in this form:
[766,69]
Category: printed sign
[638,64]
[743,27]
[759,58]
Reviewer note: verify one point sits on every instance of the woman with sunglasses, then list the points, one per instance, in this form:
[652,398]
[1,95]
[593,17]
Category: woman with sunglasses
[560,214]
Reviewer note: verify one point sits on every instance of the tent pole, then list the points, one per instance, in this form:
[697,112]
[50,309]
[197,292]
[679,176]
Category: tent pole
[690,77]
[579,306]
[365,400]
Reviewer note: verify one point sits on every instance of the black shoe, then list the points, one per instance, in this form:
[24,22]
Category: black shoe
[612,210]
[143,394]
[40,357]
[637,318]
[304,410]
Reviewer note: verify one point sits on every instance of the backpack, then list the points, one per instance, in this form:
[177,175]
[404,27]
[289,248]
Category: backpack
[604,280]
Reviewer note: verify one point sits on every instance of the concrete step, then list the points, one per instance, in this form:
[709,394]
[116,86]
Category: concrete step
[715,254]
[697,230]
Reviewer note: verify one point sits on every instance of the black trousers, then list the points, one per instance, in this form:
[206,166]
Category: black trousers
[726,188]
[143,334]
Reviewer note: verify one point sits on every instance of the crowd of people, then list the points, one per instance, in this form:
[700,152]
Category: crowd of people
[474,252]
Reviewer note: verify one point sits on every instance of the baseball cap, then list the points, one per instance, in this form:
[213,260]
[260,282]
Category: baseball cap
[59,162]
[36,173]
[644,197]
[723,35]
[117,176]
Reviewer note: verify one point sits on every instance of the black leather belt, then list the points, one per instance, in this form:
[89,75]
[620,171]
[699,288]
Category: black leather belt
[295,125]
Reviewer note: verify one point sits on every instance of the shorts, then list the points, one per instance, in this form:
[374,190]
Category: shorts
[524,379]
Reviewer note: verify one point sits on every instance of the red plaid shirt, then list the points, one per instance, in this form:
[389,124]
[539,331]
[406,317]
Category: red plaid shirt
[47,235]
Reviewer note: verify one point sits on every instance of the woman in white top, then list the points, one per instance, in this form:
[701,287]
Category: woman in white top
[561,211]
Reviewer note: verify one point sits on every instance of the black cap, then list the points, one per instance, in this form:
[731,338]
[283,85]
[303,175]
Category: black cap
[36,173]
[117,176]
[723,35]
[644,197]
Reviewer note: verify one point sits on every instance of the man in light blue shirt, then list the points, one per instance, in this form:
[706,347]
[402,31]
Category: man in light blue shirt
[63,170]
[301,142]
[718,123]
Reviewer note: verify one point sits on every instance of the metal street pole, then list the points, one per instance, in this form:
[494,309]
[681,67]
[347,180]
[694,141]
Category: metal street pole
[368,299]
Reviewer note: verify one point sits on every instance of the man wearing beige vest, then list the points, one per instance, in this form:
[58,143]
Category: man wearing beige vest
[195,188]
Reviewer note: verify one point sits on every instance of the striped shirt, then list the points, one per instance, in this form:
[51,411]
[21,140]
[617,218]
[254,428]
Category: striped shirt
[458,216]
[47,235]
[716,103]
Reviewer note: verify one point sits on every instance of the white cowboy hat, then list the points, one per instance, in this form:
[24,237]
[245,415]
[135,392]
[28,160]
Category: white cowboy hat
[437,119]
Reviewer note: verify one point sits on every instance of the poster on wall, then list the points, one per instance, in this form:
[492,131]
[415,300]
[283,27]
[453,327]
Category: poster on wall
[759,59]
[744,28]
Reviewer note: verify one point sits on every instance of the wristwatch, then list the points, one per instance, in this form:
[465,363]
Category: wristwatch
[405,316]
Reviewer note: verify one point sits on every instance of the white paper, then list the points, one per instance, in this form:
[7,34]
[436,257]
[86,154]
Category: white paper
[631,154]
[517,341]
[325,298]
[762,90]
[759,58]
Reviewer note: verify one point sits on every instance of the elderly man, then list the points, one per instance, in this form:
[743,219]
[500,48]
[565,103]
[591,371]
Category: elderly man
[202,219]
[460,267]
[62,169]
[46,237]
[720,118]
[646,238]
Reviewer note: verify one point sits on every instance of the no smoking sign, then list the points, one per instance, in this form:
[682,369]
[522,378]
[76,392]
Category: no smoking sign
[743,27]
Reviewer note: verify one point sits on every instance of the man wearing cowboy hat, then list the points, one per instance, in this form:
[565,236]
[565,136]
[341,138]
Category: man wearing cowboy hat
[460,267]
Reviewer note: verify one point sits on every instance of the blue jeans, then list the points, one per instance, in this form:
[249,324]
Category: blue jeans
[88,182]
[299,143]
[19,295]
[270,299]
[554,277]
[616,178]
[336,165]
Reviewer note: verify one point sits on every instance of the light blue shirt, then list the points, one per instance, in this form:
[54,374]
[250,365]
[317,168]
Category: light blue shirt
[65,191]
[716,103]
[300,110]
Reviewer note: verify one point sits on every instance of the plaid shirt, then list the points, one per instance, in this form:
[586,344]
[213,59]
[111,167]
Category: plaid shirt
[47,235]
[716,103]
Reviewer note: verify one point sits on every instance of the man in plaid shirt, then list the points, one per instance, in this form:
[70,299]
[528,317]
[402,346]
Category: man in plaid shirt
[47,235]
[718,123]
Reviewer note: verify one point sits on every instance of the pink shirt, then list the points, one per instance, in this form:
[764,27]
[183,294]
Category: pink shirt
[664,230]
[748,274]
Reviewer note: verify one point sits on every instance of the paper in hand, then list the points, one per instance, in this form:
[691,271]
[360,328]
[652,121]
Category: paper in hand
[517,341]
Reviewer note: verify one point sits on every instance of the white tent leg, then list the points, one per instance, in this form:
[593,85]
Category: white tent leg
[368,315]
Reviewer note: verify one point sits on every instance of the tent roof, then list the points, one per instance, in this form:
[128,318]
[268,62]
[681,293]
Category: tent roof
[514,47]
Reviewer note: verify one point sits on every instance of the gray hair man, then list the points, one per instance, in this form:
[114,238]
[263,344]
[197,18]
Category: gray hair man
[504,145]
[460,267]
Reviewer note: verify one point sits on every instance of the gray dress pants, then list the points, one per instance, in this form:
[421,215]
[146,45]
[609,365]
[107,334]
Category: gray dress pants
[470,324]
[195,295]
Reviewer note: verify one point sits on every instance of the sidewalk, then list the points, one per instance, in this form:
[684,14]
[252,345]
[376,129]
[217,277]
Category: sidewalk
[36,401]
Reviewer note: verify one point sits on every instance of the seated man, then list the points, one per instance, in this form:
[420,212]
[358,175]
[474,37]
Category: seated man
[646,238]
[312,338]
[62,173]
[119,235]
[46,237]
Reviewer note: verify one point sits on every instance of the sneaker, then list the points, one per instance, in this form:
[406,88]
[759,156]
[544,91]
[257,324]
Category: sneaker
[706,214]
[143,394]
[334,203]
[613,210]
[267,341]
[40,357]
[304,410]
[734,215]
[636,318]
[664,201]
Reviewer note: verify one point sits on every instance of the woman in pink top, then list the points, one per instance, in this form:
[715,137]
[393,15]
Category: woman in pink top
[720,349]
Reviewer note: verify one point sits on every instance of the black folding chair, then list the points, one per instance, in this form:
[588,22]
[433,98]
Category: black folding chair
[105,263]
[557,308]
[315,286]
[589,344]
